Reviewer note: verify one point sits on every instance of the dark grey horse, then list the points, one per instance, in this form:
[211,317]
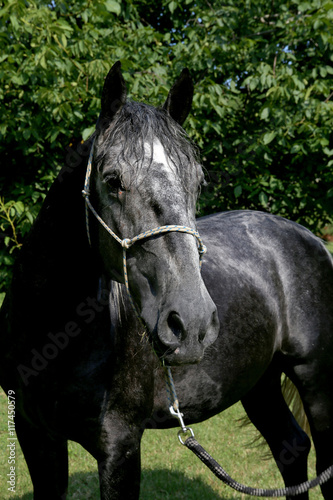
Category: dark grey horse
[84,367]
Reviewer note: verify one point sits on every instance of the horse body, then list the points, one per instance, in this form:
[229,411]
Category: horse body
[75,353]
[264,273]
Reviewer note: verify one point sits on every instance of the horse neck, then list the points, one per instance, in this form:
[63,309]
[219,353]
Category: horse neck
[55,266]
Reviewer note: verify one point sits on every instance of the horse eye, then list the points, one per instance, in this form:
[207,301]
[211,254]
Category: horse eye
[115,185]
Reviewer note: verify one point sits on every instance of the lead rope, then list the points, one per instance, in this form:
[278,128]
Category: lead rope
[192,444]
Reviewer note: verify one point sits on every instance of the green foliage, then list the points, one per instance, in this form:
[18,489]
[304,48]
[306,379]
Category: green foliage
[263,105]
[264,110]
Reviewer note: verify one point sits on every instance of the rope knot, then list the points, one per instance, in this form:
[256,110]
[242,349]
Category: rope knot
[203,249]
[85,193]
[126,243]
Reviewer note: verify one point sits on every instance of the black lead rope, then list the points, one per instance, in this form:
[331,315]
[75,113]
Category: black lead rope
[192,444]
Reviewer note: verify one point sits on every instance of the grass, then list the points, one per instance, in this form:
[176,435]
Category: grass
[169,470]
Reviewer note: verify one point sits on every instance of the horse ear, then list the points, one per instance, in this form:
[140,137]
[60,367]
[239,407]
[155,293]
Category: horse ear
[179,100]
[114,93]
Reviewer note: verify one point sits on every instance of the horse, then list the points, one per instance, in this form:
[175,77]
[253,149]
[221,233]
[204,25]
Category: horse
[100,301]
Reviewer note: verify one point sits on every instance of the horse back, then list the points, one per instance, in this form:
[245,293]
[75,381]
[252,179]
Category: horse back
[282,266]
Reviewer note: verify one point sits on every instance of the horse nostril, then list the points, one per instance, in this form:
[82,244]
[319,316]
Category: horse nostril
[176,326]
[202,335]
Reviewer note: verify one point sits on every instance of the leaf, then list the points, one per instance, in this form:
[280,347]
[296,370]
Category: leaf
[238,191]
[29,217]
[328,152]
[3,128]
[323,71]
[54,135]
[63,40]
[317,24]
[268,137]
[254,83]
[19,207]
[263,198]
[295,149]
[308,92]
[113,6]
[14,22]
[7,260]
[264,114]
[303,6]
[42,62]
[172,7]
[87,132]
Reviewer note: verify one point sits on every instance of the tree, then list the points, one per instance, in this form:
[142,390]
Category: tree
[263,105]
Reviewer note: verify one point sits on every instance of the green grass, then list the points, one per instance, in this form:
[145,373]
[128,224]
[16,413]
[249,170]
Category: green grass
[169,470]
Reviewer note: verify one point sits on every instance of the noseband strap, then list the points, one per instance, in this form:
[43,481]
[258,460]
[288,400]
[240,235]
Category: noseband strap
[126,243]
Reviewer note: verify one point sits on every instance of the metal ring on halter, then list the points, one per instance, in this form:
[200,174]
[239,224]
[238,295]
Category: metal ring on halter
[184,431]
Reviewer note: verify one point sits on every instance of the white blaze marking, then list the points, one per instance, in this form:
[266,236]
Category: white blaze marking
[159,153]
[160,158]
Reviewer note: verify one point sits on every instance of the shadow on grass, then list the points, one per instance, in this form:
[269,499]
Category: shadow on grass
[27,496]
[81,486]
[164,484]
[158,484]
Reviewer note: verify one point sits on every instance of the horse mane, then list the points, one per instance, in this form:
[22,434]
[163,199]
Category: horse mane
[137,125]
[117,301]
[121,312]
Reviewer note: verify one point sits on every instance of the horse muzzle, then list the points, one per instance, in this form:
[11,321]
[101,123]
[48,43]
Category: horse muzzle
[183,334]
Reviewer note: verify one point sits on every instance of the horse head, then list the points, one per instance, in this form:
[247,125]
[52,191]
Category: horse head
[145,174]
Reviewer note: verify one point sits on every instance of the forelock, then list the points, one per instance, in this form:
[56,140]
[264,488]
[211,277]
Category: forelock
[137,124]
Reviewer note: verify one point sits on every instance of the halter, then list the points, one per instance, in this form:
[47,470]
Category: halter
[126,243]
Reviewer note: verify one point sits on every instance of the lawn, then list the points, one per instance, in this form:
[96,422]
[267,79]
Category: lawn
[169,470]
